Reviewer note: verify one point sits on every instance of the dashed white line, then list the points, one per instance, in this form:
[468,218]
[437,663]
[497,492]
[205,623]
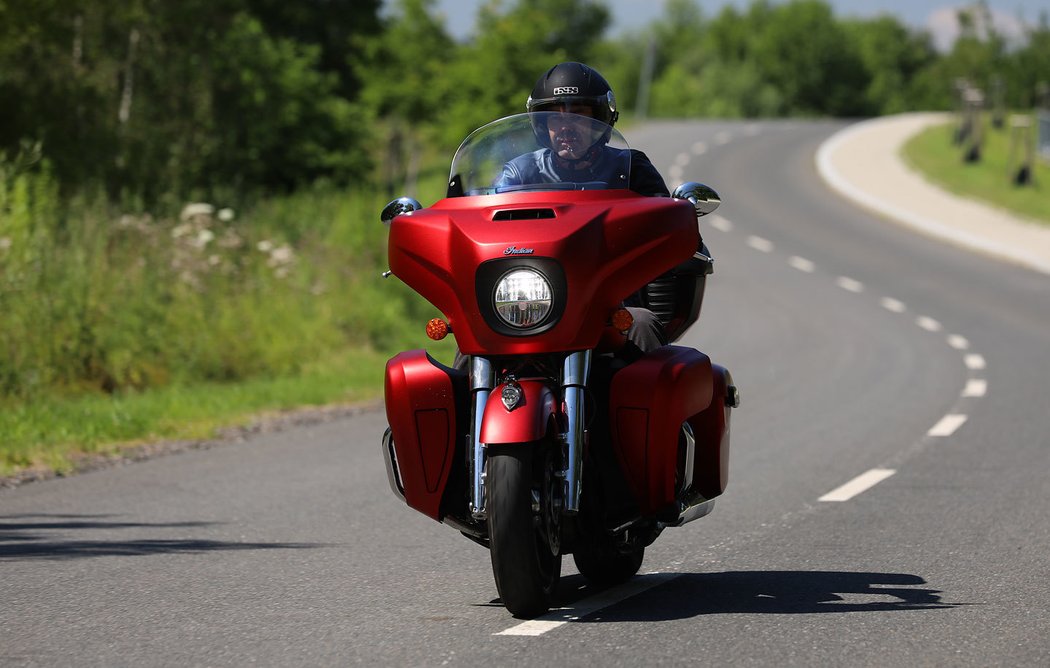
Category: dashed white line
[928,323]
[760,244]
[891,304]
[802,264]
[722,138]
[861,483]
[958,342]
[975,387]
[720,223]
[556,618]
[974,362]
[849,284]
[947,425]
[682,159]
[699,148]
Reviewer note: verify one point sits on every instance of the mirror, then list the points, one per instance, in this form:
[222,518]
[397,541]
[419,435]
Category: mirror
[397,207]
[703,198]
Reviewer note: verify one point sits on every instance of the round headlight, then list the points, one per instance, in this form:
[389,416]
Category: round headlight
[523,298]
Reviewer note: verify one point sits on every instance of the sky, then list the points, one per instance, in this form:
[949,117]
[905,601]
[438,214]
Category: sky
[937,16]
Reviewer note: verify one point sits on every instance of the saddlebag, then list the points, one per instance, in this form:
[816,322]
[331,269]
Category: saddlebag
[422,412]
[650,399]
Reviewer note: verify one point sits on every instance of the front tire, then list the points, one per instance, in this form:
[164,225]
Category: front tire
[523,543]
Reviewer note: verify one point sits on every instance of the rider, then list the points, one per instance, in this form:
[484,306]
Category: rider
[573,153]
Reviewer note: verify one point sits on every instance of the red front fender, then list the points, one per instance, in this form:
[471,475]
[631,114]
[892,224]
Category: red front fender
[527,422]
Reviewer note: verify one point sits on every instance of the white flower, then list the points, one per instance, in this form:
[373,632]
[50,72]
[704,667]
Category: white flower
[181,230]
[265,246]
[282,255]
[214,260]
[196,209]
[203,238]
[5,243]
[226,215]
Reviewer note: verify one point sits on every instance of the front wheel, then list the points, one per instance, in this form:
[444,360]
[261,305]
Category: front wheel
[523,526]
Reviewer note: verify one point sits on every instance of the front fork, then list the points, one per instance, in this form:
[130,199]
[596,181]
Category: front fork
[575,370]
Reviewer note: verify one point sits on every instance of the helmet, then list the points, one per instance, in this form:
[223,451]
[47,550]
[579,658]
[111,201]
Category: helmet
[574,83]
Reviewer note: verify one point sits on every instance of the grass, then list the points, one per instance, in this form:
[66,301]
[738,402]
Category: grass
[121,329]
[935,154]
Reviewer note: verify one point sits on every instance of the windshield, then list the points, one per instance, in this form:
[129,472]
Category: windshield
[540,151]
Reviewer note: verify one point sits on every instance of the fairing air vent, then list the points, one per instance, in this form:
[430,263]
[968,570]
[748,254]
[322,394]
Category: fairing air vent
[523,214]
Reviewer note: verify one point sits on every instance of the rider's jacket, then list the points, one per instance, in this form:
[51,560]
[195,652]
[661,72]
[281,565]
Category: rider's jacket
[543,166]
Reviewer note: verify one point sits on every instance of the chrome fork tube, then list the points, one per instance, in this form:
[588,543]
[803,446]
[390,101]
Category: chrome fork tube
[482,379]
[575,370]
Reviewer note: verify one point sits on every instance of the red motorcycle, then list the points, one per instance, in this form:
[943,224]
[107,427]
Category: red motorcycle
[544,439]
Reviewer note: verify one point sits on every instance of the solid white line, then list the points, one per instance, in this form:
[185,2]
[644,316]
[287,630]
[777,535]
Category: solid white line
[928,323]
[802,264]
[760,244]
[891,304]
[861,483]
[556,618]
[849,284]
[947,426]
[958,342]
[974,362]
[975,387]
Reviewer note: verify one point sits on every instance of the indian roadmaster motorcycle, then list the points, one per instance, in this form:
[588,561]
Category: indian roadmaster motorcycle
[544,439]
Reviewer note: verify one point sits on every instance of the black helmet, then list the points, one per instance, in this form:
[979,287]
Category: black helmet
[574,83]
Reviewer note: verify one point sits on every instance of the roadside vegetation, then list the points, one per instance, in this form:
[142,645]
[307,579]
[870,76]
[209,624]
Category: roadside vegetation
[189,192]
[993,178]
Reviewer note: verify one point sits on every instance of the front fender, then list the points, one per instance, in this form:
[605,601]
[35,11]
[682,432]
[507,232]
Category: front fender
[526,422]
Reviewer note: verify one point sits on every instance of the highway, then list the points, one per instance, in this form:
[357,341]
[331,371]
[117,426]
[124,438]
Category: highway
[888,504]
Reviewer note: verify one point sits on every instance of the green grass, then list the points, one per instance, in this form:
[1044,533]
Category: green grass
[51,433]
[120,328]
[934,154]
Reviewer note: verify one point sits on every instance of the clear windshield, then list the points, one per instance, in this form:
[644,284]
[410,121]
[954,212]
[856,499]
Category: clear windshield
[540,151]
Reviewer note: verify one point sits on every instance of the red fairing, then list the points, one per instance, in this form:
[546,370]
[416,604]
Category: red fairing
[609,243]
[527,422]
[421,409]
[649,401]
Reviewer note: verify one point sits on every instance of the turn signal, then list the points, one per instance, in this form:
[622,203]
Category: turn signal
[437,329]
[622,320]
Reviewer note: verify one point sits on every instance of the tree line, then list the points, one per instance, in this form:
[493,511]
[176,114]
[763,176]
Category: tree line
[149,102]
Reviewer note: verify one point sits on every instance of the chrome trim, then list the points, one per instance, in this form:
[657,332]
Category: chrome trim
[703,198]
[690,455]
[575,370]
[694,512]
[482,378]
[393,473]
[397,207]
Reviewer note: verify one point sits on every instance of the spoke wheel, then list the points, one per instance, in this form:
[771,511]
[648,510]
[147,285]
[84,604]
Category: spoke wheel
[523,526]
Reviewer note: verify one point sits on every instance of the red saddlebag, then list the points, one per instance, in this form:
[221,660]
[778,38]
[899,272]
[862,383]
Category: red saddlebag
[421,409]
[649,401]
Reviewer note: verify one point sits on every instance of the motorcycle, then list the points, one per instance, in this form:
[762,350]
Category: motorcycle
[545,438]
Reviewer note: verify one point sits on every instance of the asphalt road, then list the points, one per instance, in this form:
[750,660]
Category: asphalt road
[905,378]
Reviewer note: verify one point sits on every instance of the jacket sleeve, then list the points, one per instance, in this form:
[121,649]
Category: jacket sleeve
[645,180]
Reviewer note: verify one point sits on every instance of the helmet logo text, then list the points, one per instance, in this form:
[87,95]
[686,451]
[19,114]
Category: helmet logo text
[566,90]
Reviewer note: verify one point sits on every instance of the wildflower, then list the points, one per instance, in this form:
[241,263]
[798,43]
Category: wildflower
[181,230]
[265,246]
[281,256]
[196,209]
[203,238]
[5,243]
[226,214]
[214,260]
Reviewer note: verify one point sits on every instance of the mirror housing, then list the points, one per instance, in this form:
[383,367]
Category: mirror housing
[703,198]
[397,207]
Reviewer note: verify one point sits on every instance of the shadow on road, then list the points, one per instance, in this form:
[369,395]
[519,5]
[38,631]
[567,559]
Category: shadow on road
[36,539]
[764,592]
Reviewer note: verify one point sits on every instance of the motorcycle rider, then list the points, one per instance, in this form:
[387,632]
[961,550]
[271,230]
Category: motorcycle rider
[576,150]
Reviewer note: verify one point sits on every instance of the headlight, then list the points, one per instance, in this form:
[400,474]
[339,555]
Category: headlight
[523,298]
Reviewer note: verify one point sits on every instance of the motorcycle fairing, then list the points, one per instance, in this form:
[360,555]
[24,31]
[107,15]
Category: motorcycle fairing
[421,410]
[611,243]
[648,401]
[527,422]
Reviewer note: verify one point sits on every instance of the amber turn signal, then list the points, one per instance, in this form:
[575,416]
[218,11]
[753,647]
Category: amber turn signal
[622,320]
[437,329]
